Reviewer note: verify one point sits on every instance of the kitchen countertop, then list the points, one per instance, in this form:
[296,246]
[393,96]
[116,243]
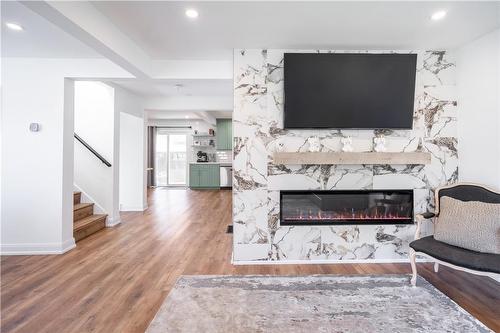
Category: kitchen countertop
[220,163]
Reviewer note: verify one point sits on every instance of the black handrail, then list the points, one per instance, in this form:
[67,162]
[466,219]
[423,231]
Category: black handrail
[92,150]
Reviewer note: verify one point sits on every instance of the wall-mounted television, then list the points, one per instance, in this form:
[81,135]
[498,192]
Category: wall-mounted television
[349,90]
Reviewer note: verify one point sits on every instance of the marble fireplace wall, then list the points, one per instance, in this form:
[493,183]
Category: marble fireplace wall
[258,129]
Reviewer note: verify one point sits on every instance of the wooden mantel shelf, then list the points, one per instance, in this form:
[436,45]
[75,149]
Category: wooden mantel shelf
[351,158]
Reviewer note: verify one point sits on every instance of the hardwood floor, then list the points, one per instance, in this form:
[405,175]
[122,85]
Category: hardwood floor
[116,279]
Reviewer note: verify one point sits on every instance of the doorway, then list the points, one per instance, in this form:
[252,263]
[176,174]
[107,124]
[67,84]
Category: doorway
[171,160]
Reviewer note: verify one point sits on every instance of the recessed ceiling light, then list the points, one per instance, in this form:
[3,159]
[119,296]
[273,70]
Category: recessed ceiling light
[438,15]
[14,26]
[192,13]
[186,117]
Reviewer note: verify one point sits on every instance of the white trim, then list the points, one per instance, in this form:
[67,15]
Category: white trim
[133,208]
[496,278]
[323,261]
[110,222]
[85,198]
[68,245]
[38,248]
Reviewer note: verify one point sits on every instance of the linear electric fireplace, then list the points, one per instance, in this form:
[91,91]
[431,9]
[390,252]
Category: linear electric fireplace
[346,207]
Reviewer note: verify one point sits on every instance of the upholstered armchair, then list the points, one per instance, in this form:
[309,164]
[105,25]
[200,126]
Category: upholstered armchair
[482,262]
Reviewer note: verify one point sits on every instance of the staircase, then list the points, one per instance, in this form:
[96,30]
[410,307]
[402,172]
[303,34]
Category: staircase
[85,222]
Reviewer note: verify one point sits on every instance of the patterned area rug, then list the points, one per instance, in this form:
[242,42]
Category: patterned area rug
[317,303]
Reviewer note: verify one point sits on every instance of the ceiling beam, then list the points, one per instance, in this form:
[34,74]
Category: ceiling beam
[207,117]
[168,115]
[192,69]
[190,103]
[84,22]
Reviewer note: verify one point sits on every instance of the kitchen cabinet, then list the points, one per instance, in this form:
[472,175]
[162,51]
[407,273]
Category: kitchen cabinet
[224,134]
[204,176]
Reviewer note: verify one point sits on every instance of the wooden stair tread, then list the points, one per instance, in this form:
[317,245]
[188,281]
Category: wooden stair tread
[77,197]
[82,205]
[86,221]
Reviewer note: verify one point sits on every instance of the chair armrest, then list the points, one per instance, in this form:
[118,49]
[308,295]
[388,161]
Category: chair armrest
[427,215]
[418,220]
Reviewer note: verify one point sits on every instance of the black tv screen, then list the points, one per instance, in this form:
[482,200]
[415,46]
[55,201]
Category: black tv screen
[344,90]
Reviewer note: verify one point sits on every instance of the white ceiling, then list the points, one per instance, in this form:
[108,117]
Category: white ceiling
[163,31]
[188,87]
[40,38]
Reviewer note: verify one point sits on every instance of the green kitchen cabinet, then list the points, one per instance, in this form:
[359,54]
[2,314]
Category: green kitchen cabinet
[204,176]
[194,176]
[224,134]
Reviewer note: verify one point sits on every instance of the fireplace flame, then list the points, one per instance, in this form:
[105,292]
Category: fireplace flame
[346,215]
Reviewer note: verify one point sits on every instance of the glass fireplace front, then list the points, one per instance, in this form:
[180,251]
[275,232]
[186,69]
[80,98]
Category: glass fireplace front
[346,207]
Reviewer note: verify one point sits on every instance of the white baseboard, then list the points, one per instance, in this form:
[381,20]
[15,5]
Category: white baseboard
[110,222]
[68,245]
[38,248]
[124,208]
[323,261]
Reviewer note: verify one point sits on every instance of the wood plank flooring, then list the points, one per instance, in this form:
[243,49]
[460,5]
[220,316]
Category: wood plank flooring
[116,279]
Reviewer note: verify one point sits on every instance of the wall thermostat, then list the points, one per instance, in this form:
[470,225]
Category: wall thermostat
[34,127]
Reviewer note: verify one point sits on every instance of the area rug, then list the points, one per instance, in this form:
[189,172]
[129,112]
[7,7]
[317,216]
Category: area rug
[317,303]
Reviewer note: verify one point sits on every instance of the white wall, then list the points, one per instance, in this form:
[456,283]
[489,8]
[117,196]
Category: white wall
[95,123]
[37,168]
[478,76]
[132,178]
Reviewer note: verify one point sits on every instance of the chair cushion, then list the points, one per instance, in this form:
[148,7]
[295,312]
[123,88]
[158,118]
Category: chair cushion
[484,262]
[472,225]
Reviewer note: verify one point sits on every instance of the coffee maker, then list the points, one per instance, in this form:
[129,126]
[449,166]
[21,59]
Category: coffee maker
[202,156]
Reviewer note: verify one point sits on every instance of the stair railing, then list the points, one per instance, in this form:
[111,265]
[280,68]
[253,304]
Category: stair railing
[92,150]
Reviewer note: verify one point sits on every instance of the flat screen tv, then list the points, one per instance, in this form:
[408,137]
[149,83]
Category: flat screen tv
[345,90]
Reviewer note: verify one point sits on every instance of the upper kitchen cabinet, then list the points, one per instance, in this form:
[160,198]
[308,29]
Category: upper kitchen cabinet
[224,134]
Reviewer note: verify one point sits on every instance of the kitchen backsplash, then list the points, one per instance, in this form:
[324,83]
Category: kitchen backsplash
[224,156]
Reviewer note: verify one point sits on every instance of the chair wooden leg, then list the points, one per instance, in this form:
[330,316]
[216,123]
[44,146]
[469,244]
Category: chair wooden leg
[413,267]
[436,267]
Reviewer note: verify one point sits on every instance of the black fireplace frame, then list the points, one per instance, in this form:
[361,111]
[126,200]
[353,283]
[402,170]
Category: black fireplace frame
[310,223]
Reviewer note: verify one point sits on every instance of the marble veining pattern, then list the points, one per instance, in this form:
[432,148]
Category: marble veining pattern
[258,130]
